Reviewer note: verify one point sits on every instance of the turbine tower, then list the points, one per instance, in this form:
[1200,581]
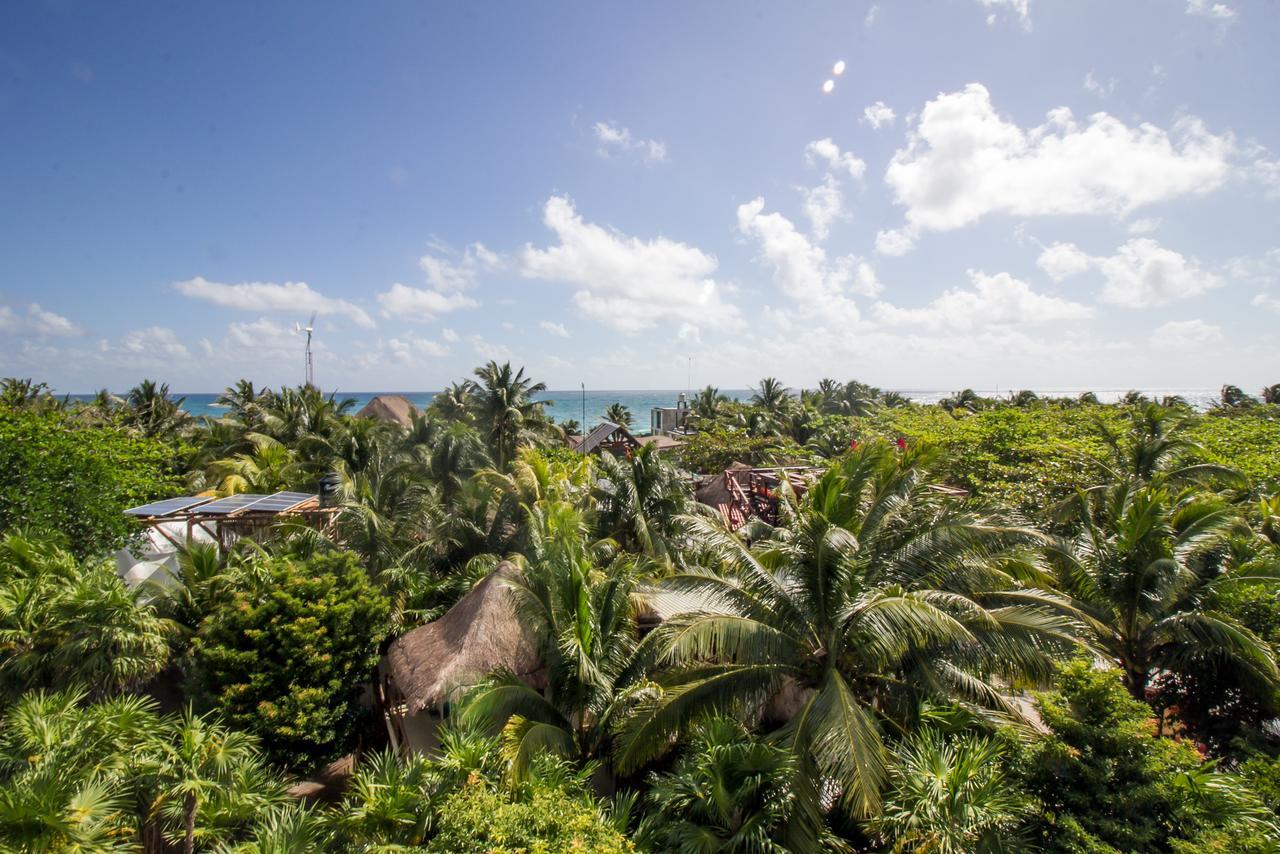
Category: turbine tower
[309,366]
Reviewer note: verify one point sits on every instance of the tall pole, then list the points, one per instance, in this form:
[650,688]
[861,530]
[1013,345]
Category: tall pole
[584,409]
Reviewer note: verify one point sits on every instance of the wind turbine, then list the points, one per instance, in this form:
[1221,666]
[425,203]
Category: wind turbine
[309,328]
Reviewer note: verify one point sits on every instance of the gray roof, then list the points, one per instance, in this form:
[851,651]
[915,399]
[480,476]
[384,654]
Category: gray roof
[600,434]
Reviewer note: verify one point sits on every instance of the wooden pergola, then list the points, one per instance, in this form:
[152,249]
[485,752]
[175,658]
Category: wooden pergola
[227,520]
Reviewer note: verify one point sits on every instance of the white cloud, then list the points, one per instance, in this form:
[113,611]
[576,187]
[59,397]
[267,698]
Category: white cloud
[823,205]
[1268,302]
[872,14]
[155,344]
[801,269]
[444,274]
[879,115]
[1097,87]
[1184,335]
[998,300]
[826,151]
[1262,270]
[296,297]
[1145,225]
[1209,9]
[1020,8]
[449,335]
[1063,260]
[963,162]
[261,334]
[411,349]
[615,139]
[689,334]
[48,323]
[8,320]
[1267,174]
[1144,273]
[625,282]
[554,328]
[404,302]
[896,241]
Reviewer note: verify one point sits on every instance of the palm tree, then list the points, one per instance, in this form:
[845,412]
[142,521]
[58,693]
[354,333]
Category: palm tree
[388,804]
[1023,399]
[966,400]
[1087,398]
[879,593]
[455,403]
[153,411]
[582,617]
[894,400]
[270,467]
[1233,397]
[1155,448]
[771,396]
[66,771]
[246,404]
[504,409]
[63,622]
[1271,394]
[729,791]
[709,404]
[1145,571]
[191,764]
[22,393]
[638,500]
[618,414]
[571,427]
[950,796]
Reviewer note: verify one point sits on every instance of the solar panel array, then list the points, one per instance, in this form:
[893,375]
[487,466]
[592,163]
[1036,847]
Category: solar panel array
[243,502]
[167,506]
[280,502]
[230,504]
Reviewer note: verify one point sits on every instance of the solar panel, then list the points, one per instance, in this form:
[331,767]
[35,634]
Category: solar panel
[167,507]
[279,502]
[230,504]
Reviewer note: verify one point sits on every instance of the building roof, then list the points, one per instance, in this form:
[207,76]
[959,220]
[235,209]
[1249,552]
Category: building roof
[389,407]
[660,443]
[482,633]
[606,431]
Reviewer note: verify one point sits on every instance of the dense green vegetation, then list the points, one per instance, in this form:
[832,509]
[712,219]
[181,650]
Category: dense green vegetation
[986,625]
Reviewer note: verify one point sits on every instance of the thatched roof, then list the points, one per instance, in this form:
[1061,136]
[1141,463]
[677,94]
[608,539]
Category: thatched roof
[389,407]
[433,663]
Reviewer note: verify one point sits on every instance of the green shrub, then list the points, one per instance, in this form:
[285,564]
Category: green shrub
[285,658]
[545,817]
[60,477]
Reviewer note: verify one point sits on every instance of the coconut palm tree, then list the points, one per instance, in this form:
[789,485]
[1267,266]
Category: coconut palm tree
[505,411]
[270,467]
[23,393]
[1233,397]
[638,500]
[150,409]
[709,404]
[950,796]
[571,427]
[245,403]
[1145,571]
[894,400]
[1154,447]
[581,614]
[1271,394]
[771,396]
[455,403]
[618,414]
[876,594]
[729,791]
[966,400]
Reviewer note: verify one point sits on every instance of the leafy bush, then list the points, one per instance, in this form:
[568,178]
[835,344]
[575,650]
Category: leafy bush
[285,657]
[552,813]
[59,475]
[1107,783]
[715,449]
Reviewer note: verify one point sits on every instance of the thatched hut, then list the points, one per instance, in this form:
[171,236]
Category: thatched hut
[431,666]
[395,408]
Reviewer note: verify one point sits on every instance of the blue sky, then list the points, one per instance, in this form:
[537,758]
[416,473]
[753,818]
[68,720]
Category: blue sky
[1011,193]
